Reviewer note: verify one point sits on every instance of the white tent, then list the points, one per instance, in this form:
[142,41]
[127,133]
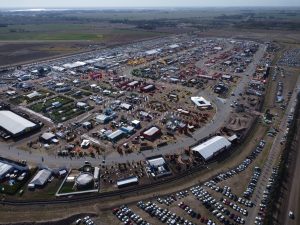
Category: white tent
[212,147]
[201,102]
[40,178]
[14,123]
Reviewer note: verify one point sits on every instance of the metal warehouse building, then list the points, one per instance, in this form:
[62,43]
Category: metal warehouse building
[40,179]
[127,181]
[212,147]
[4,169]
[152,133]
[14,124]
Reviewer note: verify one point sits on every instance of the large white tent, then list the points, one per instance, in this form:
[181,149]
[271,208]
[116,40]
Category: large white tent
[201,102]
[212,147]
[13,123]
[74,65]
[4,168]
[40,178]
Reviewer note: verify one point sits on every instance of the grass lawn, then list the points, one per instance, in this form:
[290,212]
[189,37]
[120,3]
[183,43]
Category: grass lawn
[43,193]
[24,99]
[79,95]
[67,188]
[13,189]
[40,106]
[49,32]
[69,32]
[65,112]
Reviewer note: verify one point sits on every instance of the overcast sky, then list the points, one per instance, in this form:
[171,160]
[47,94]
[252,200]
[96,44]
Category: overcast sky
[141,3]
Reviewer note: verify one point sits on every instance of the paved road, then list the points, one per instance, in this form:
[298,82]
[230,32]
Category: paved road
[293,193]
[271,160]
[222,113]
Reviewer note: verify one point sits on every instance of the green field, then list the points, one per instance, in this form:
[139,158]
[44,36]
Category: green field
[65,113]
[68,32]
[41,106]
[24,99]
[79,95]
[52,32]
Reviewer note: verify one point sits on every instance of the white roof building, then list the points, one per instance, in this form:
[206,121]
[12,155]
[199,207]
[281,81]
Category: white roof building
[74,65]
[226,76]
[90,61]
[212,147]
[127,181]
[58,68]
[10,93]
[102,118]
[40,178]
[14,123]
[84,179]
[156,162]
[33,95]
[126,106]
[81,104]
[218,48]
[47,136]
[136,122]
[174,46]
[133,83]
[157,167]
[152,131]
[96,173]
[201,102]
[4,168]
[115,135]
[148,87]
[153,51]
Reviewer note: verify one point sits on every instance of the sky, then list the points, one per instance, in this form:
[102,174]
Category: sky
[142,3]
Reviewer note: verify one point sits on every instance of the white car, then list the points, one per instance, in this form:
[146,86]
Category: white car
[291,215]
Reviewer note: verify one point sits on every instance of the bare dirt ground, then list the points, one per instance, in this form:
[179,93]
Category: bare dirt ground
[57,214]
[19,52]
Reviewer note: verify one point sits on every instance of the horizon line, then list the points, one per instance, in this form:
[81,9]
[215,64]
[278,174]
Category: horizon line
[143,7]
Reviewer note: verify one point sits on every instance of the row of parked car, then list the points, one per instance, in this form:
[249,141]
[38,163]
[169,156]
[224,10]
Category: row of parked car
[235,207]
[189,210]
[266,197]
[216,207]
[226,191]
[252,183]
[240,168]
[168,200]
[243,166]
[85,221]
[164,215]
[245,202]
[128,217]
